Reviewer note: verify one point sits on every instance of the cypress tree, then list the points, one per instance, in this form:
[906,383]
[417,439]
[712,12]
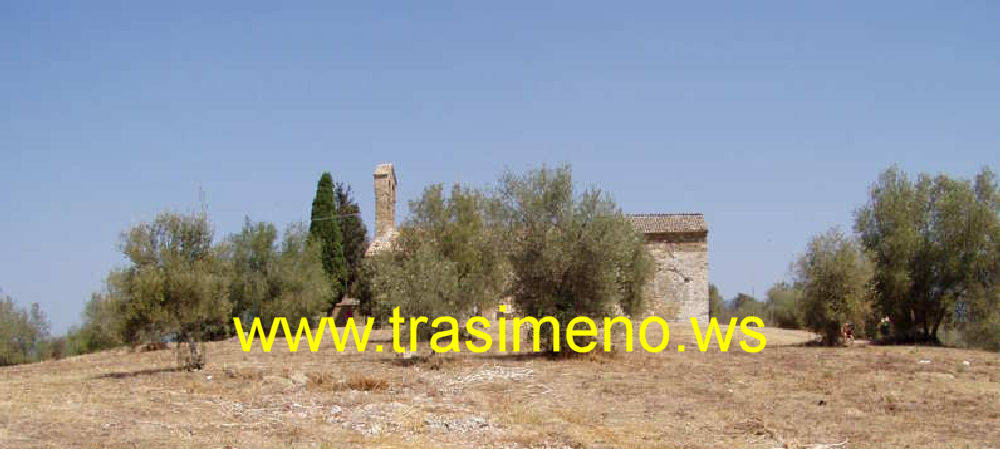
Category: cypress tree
[325,227]
[353,232]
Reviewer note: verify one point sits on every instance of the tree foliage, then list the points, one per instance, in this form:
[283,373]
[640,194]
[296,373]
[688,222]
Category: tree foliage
[325,228]
[354,235]
[571,255]
[835,276]
[716,304]
[23,332]
[423,283]
[103,325]
[742,306]
[935,243]
[554,253]
[784,303]
[272,278]
[452,237]
[175,285]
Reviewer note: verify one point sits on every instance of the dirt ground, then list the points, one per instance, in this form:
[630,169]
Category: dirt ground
[788,395]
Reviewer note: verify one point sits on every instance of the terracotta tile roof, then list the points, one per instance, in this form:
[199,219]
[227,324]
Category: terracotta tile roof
[668,223]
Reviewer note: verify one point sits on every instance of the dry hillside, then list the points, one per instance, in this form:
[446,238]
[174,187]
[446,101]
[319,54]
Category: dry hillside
[789,395]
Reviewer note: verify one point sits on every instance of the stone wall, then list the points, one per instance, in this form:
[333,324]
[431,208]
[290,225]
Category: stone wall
[679,289]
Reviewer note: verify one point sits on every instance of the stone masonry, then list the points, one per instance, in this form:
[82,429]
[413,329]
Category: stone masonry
[385,200]
[679,246]
[385,209]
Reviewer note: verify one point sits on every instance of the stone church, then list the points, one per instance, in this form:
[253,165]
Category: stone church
[677,242]
[679,245]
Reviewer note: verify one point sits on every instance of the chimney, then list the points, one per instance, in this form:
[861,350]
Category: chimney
[385,200]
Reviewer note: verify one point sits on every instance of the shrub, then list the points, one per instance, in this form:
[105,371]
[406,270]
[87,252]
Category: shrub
[367,383]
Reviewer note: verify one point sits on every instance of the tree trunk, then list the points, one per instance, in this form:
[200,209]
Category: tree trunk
[937,324]
[196,360]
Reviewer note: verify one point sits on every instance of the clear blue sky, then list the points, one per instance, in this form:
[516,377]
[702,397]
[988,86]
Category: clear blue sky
[769,118]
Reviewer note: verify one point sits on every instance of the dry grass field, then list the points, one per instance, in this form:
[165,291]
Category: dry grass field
[789,396]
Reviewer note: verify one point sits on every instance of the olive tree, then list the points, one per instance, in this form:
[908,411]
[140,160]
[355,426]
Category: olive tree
[935,245]
[175,285]
[423,283]
[271,278]
[571,254]
[532,238]
[446,260]
[834,274]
